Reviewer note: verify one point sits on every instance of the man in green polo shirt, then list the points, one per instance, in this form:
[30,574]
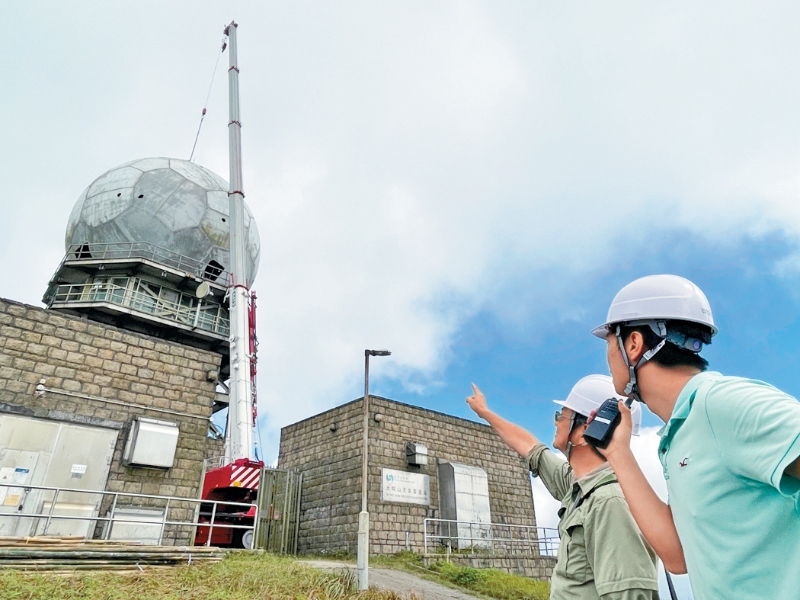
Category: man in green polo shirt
[729,449]
[602,554]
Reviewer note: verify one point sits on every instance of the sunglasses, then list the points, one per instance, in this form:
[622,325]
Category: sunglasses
[559,416]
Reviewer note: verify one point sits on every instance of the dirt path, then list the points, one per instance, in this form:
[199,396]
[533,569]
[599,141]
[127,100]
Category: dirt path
[401,582]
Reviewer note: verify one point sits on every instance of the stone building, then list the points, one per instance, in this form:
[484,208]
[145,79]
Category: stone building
[327,450]
[70,391]
[111,388]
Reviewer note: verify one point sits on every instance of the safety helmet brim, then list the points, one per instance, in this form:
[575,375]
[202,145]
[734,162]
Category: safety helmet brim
[603,330]
[658,298]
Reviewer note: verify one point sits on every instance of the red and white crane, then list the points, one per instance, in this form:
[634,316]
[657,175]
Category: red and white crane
[237,478]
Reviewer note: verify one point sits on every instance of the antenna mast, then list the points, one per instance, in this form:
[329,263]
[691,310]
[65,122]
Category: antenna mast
[239,442]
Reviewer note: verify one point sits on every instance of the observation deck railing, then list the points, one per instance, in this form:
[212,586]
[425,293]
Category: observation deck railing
[210,271]
[184,309]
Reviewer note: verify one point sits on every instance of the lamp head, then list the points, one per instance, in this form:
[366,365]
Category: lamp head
[376,353]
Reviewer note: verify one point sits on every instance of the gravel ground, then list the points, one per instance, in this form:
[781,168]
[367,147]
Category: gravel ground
[401,582]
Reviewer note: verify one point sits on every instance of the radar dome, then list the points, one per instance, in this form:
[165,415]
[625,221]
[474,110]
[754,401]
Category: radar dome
[168,203]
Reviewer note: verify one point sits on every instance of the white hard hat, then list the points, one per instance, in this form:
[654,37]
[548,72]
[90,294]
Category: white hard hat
[658,298]
[590,392]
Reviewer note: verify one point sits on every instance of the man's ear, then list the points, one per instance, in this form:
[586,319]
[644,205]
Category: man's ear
[635,347]
[576,436]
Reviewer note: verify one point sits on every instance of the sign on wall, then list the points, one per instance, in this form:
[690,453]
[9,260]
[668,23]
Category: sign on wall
[402,486]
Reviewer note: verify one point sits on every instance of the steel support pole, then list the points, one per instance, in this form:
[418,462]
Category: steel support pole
[363,516]
[50,514]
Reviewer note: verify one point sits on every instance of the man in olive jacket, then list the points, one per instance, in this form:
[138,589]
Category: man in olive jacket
[602,553]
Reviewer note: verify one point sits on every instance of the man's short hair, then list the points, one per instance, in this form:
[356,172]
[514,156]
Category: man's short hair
[671,355]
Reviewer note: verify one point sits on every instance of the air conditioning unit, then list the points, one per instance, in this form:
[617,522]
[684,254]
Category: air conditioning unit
[416,454]
[151,444]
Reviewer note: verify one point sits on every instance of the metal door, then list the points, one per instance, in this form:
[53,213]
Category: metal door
[53,454]
[16,467]
[25,448]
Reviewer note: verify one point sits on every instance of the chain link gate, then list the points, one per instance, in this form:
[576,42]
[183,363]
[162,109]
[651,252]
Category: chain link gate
[278,511]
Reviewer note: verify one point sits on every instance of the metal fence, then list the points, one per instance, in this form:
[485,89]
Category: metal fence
[548,540]
[142,250]
[178,520]
[149,299]
[443,536]
[278,525]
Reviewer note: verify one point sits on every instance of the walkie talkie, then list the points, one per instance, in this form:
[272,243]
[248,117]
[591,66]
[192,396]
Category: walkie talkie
[601,429]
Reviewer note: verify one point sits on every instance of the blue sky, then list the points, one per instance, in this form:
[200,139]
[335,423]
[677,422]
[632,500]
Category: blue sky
[523,366]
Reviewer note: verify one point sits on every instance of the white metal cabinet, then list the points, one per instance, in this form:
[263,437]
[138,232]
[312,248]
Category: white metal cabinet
[464,497]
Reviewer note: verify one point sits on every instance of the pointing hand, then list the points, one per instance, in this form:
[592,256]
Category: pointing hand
[477,401]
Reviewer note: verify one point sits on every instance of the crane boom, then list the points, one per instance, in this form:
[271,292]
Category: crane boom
[239,442]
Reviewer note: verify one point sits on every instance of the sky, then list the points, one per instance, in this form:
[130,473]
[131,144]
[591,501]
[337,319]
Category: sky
[467,184]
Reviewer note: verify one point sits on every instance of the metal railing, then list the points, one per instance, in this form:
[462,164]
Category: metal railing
[185,309]
[145,251]
[143,501]
[443,536]
[548,540]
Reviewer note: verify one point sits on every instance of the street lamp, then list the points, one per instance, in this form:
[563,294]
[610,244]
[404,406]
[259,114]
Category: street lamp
[363,516]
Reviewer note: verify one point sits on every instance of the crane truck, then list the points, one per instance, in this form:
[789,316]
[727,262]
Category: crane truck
[235,477]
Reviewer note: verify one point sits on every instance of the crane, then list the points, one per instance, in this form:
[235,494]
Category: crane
[238,475]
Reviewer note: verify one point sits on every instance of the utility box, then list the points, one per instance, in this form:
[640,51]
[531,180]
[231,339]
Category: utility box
[151,444]
[464,499]
[416,454]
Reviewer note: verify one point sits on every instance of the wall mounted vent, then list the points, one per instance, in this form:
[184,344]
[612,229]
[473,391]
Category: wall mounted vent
[416,454]
[151,444]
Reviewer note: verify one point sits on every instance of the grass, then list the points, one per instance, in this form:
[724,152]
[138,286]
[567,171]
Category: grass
[244,576]
[486,582]
[239,576]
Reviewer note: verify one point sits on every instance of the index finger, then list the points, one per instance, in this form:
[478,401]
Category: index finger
[475,389]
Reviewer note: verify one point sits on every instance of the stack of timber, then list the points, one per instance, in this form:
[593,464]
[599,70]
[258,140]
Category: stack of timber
[68,554]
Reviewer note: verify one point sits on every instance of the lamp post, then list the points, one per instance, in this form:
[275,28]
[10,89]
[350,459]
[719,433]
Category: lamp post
[363,516]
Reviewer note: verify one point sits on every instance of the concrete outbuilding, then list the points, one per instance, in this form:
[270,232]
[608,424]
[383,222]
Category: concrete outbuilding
[423,465]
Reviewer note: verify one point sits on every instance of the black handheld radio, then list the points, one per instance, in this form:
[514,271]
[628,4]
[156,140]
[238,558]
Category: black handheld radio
[601,429]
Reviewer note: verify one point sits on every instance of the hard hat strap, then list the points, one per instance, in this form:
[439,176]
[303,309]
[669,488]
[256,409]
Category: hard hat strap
[684,341]
[673,337]
[572,420]
[632,389]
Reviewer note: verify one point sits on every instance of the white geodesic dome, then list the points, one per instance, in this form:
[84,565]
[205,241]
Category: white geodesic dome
[166,202]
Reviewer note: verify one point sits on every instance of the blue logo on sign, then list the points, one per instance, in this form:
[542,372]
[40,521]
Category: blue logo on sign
[389,478]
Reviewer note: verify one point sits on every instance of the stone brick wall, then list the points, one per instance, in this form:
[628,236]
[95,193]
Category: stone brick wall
[327,449]
[104,376]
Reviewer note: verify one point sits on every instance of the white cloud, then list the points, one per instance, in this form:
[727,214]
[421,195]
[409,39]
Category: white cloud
[412,163]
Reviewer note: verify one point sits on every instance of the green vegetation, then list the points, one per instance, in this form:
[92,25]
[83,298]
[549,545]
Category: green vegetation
[239,576]
[245,576]
[492,582]
[486,582]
